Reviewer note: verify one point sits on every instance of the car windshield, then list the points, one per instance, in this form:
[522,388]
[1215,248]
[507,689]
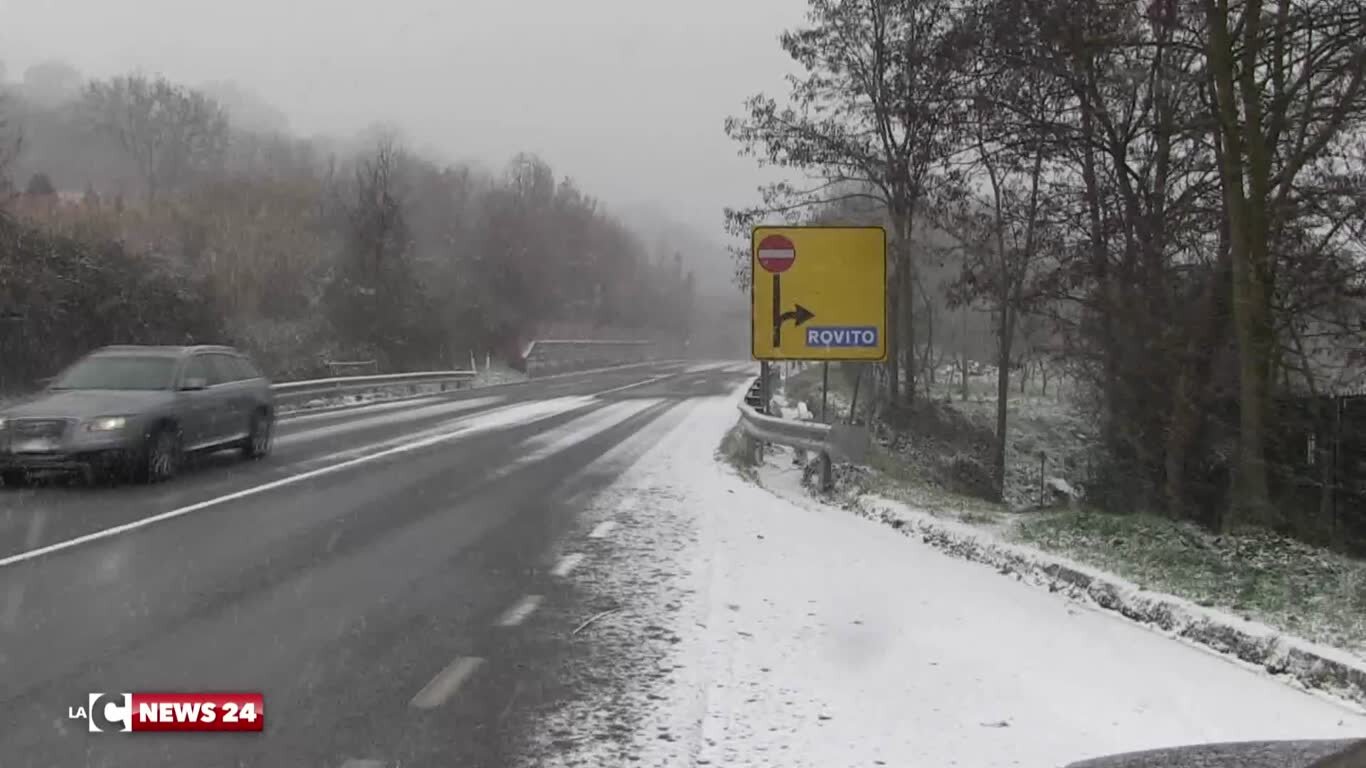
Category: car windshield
[130,373]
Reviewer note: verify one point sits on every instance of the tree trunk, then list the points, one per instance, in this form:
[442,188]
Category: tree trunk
[893,313]
[906,287]
[1210,329]
[908,328]
[1245,208]
[963,358]
[927,359]
[1007,329]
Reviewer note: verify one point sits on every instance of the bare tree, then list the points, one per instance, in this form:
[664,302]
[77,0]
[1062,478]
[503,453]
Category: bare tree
[51,83]
[1287,79]
[11,144]
[874,112]
[172,133]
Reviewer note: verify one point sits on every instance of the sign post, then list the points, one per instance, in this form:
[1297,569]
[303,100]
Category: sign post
[834,296]
[825,386]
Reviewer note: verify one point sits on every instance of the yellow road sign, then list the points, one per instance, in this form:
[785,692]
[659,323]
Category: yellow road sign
[819,293]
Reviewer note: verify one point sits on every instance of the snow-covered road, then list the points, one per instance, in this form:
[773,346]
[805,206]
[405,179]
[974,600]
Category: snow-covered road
[752,631]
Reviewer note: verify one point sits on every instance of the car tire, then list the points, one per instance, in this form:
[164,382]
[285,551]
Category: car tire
[260,436]
[160,457]
[14,478]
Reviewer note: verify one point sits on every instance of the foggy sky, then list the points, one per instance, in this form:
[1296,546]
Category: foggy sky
[626,96]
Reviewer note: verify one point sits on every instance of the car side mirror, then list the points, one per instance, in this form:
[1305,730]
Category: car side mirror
[195,384]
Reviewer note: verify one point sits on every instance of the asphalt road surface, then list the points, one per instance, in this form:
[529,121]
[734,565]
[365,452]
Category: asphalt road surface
[377,578]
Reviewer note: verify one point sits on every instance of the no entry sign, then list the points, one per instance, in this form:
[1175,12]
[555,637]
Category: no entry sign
[776,253]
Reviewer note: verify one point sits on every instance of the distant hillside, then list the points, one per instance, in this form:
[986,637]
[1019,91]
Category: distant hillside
[704,253]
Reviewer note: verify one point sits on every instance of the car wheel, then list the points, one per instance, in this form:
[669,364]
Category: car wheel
[260,436]
[14,478]
[161,457]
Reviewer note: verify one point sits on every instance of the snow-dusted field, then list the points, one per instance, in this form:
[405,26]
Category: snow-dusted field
[751,630]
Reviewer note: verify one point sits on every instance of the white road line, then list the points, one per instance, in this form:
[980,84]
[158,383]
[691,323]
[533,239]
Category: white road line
[519,611]
[255,490]
[637,384]
[446,683]
[567,563]
[602,529]
[547,444]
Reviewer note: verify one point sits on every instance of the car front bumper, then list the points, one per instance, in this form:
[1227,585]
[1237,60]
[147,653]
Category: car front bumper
[73,450]
[64,461]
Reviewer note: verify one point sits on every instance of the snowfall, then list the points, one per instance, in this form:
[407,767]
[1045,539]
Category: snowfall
[755,626]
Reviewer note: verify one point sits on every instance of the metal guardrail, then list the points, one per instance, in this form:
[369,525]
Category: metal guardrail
[356,367]
[548,356]
[807,435]
[342,384]
[843,440]
[531,348]
[539,357]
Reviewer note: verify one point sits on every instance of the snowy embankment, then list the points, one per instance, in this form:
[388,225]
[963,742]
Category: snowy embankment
[1296,660]
[723,624]
[1309,630]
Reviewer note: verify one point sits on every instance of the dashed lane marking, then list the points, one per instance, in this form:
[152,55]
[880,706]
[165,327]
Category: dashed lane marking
[446,683]
[567,564]
[519,611]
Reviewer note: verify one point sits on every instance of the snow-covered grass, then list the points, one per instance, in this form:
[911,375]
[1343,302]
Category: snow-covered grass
[497,374]
[734,450]
[804,385]
[1296,588]
[1049,431]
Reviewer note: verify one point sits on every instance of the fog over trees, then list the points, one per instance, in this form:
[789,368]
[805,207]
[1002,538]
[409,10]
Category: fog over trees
[1164,198]
[139,209]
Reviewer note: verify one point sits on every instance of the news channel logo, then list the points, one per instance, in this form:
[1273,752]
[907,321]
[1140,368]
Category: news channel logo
[106,712]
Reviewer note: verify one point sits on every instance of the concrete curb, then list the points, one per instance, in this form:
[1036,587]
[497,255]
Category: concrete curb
[1329,670]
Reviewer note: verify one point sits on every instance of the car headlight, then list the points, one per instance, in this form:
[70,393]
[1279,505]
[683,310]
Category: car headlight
[106,424]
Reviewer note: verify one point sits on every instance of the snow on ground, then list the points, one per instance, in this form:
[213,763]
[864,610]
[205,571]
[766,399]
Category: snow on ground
[497,374]
[734,627]
[1295,659]
[1047,430]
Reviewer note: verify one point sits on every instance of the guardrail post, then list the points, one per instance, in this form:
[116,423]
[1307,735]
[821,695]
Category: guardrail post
[827,473]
